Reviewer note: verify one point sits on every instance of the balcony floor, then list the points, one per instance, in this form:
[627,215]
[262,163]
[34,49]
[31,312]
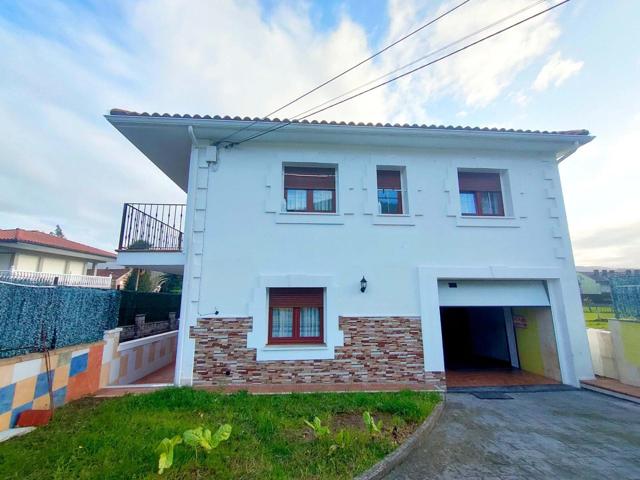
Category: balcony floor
[166,262]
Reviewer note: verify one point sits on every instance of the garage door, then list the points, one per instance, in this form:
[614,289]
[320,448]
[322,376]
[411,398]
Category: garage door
[492,293]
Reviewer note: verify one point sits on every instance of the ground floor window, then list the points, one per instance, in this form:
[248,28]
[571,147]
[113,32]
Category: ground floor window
[296,315]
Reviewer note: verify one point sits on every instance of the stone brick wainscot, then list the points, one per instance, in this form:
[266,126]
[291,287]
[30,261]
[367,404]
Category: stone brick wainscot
[379,353]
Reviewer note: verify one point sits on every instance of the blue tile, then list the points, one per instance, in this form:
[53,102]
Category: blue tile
[16,413]
[59,396]
[78,364]
[42,386]
[6,397]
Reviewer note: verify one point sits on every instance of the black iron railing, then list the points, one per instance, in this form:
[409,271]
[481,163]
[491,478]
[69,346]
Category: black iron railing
[155,227]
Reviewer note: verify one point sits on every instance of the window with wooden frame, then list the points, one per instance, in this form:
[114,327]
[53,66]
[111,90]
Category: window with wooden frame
[480,194]
[390,193]
[296,315]
[310,189]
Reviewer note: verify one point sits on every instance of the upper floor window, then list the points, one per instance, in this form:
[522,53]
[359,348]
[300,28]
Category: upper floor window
[310,189]
[296,315]
[390,193]
[480,194]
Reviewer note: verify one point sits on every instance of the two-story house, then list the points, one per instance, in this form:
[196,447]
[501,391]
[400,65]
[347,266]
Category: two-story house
[332,256]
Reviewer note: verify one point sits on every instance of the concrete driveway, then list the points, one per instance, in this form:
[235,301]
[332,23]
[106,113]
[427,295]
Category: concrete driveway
[562,434]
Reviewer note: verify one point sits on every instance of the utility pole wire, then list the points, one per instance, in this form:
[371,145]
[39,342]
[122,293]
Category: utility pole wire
[430,54]
[289,122]
[335,77]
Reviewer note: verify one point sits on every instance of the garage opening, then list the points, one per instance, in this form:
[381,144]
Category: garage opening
[475,338]
[497,333]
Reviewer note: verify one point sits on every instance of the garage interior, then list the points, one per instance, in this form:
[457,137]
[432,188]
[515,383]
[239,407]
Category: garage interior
[497,334]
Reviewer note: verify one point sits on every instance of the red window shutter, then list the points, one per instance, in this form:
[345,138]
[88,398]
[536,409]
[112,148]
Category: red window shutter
[296,297]
[310,178]
[479,182]
[389,179]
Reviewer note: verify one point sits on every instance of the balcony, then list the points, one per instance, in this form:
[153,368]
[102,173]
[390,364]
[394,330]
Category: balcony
[151,236]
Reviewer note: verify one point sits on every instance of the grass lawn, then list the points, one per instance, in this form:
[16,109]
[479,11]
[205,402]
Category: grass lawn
[602,324]
[597,317]
[117,438]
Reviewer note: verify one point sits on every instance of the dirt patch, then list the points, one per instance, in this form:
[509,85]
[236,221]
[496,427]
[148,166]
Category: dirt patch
[392,425]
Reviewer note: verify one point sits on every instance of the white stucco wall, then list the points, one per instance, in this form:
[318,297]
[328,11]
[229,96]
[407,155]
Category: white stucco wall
[239,242]
[26,262]
[53,265]
[6,260]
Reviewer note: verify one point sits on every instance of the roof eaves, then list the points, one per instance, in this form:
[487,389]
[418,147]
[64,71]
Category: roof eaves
[127,113]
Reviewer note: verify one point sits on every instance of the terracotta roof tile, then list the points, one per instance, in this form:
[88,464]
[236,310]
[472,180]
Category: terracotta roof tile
[114,272]
[121,112]
[35,237]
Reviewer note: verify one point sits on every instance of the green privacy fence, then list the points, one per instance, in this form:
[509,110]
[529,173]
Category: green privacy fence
[67,315]
[625,291]
[155,306]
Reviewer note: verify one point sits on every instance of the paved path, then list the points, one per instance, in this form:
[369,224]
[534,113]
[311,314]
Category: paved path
[559,435]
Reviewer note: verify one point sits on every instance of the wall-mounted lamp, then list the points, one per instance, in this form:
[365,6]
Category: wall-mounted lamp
[363,284]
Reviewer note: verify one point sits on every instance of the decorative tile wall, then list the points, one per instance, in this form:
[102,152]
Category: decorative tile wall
[24,380]
[380,350]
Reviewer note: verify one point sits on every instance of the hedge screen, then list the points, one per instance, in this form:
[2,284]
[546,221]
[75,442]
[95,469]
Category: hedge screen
[156,306]
[68,315]
[625,290]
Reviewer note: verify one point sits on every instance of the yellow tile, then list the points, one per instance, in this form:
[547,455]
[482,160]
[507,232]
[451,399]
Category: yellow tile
[6,374]
[54,363]
[5,419]
[139,357]
[25,389]
[104,375]
[41,403]
[124,364]
[61,377]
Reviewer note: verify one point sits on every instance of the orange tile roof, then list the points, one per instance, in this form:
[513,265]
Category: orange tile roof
[35,237]
[113,272]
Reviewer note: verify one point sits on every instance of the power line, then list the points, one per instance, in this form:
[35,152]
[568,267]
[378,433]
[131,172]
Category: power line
[487,37]
[335,77]
[430,54]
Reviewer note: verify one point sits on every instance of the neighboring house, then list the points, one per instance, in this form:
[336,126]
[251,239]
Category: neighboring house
[589,286]
[598,281]
[378,256]
[33,254]
[119,276]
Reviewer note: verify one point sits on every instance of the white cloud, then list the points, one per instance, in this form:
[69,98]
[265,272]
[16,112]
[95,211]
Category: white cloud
[520,98]
[62,163]
[601,196]
[556,71]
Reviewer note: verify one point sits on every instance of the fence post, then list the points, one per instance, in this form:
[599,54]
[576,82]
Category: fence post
[140,319]
[173,321]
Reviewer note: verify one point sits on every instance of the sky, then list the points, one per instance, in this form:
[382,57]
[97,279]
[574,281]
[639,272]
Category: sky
[63,65]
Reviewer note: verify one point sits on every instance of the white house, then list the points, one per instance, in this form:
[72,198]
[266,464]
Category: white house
[39,256]
[330,256]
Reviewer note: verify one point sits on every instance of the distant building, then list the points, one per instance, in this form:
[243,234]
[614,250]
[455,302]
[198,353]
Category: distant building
[119,276]
[38,255]
[595,284]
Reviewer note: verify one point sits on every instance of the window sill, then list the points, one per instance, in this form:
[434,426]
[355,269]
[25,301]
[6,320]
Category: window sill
[487,221]
[402,219]
[310,218]
[295,346]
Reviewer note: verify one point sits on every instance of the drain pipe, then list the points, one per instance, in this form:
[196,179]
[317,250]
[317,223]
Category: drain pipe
[213,158]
